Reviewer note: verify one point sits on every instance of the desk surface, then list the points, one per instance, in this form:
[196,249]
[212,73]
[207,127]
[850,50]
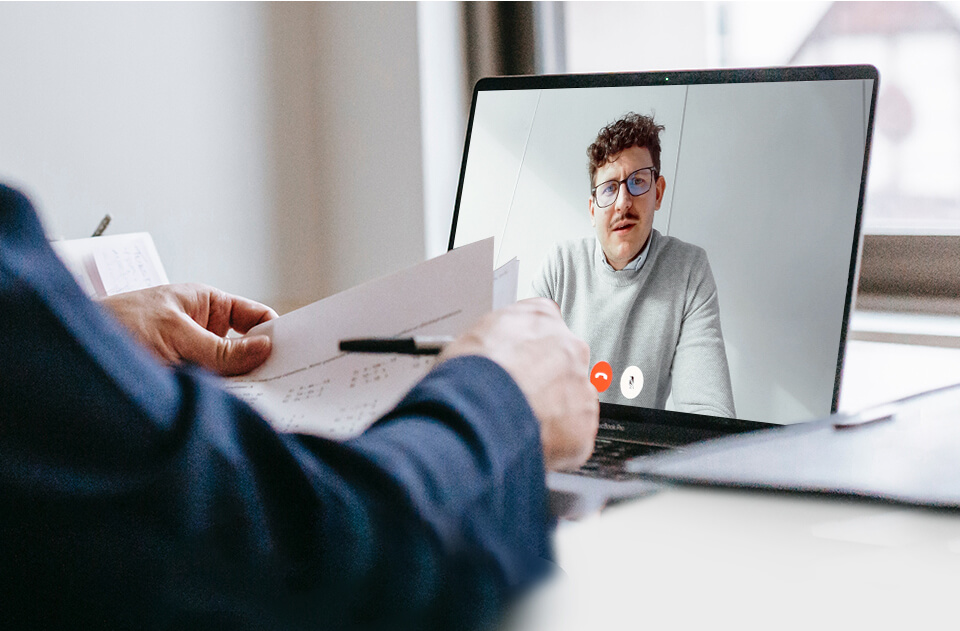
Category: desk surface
[719,558]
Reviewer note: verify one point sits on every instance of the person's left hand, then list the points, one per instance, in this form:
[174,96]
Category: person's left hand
[189,322]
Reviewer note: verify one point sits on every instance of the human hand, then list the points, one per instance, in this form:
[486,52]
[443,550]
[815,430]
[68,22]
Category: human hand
[189,322]
[551,366]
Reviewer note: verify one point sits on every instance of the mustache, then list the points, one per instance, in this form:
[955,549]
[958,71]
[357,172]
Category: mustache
[627,216]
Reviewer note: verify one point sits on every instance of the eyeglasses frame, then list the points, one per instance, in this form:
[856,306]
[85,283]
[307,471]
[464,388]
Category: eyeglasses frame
[654,176]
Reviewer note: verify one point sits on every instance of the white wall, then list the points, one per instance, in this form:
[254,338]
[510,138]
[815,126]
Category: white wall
[768,183]
[369,140]
[154,113]
[272,150]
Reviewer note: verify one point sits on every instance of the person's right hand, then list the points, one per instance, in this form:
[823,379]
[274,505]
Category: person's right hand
[551,366]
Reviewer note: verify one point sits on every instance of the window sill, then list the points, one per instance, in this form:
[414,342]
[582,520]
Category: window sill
[891,355]
[920,329]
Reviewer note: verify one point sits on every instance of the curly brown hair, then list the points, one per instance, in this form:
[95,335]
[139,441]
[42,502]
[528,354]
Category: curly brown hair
[631,129]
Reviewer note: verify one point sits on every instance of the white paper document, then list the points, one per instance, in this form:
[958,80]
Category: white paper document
[309,386]
[505,281]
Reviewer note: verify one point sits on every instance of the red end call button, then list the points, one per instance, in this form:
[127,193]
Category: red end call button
[601,375]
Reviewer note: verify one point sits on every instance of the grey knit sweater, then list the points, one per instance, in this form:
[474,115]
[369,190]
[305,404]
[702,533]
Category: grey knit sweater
[663,319]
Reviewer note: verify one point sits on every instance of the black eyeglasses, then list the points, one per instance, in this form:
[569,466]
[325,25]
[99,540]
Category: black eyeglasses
[638,183]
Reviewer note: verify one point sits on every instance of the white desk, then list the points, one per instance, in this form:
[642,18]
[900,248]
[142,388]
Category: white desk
[689,558]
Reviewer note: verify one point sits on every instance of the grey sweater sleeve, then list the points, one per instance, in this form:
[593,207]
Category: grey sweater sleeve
[545,281]
[700,375]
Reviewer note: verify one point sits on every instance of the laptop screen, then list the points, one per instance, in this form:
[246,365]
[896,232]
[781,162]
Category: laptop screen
[699,230]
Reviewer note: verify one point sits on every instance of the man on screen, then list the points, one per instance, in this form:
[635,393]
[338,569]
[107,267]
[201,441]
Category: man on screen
[645,303]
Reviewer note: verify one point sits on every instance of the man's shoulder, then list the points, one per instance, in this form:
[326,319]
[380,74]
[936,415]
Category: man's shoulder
[571,249]
[677,249]
[19,223]
[562,265]
[677,259]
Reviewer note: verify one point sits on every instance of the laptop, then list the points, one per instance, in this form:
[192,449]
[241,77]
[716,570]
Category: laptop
[736,316]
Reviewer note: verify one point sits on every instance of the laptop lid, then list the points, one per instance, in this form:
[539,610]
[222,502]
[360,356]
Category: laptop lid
[757,222]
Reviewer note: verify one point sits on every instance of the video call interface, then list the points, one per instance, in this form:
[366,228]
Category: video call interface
[732,302]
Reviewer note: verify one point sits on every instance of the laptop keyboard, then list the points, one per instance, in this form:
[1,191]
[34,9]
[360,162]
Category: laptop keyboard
[610,457]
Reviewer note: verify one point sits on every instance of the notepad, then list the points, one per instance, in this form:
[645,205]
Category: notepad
[108,265]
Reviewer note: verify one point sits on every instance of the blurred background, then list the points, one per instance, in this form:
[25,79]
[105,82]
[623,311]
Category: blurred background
[287,151]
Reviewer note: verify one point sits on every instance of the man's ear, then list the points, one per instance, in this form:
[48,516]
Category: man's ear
[593,219]
[661,187]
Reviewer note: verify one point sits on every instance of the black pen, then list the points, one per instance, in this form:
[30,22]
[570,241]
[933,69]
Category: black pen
[419,345]
[102,225]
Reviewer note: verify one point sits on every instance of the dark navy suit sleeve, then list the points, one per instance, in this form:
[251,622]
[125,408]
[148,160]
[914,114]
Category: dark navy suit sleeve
[136,495]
